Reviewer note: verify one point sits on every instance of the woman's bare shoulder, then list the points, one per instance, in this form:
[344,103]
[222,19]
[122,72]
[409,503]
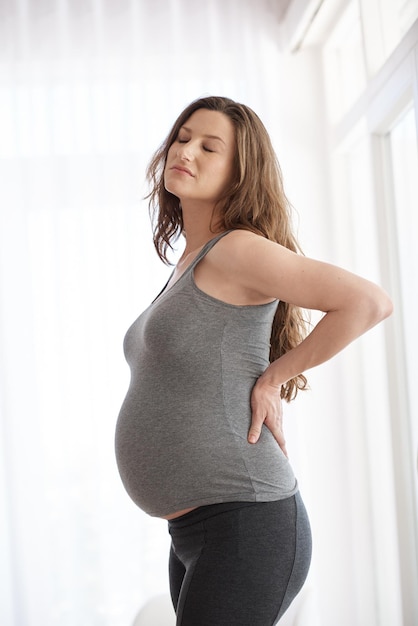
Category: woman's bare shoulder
[240,239]
[242,246]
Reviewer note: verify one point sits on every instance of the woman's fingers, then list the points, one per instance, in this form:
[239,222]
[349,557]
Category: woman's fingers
[267,410]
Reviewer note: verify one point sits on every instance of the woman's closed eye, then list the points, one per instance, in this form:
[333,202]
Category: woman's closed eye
[205,147]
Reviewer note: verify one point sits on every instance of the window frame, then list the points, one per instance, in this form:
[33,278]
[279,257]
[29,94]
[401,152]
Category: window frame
[385,97]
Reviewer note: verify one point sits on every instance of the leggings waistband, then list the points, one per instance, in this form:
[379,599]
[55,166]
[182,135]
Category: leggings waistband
[209,510]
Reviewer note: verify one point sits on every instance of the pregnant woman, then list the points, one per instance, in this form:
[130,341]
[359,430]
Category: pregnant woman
[199,438]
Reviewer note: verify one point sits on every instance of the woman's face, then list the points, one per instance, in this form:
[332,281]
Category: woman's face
[199,163]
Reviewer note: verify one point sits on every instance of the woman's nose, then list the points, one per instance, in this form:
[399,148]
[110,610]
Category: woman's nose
[185,152]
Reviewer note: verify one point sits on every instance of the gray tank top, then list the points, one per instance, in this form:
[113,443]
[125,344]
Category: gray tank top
[181,435]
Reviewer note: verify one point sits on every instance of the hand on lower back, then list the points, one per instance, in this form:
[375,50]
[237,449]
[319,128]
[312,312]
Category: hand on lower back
[266,406]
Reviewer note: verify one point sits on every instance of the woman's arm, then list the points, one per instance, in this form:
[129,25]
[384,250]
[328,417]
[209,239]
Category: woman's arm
[351,304]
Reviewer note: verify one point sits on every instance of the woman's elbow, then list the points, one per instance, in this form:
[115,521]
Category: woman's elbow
[380,305]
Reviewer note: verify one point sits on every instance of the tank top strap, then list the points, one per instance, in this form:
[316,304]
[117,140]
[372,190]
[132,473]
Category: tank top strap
[189,269]
[208,246]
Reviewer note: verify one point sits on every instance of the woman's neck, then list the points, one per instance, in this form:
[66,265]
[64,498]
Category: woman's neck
[197,233]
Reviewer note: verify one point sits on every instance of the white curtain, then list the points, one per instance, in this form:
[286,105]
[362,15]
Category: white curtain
[88,89]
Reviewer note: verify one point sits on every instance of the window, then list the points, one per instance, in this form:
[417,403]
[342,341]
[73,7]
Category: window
[401,144]
[385,22]
[369,63]
[344,68]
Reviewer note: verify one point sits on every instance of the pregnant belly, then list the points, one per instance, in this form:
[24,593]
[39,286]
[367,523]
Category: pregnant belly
[169,470]
[171,464]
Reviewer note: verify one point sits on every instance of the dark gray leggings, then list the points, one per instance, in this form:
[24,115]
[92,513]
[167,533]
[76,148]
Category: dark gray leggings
[238,563]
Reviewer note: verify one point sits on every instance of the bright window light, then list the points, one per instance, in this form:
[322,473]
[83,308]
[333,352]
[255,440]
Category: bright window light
[385,22]
[344,67]
[404,156]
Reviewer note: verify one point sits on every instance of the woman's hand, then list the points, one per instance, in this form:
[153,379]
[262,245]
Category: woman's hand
[266,406]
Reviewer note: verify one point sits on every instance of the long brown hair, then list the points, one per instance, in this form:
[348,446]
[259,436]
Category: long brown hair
[254,201]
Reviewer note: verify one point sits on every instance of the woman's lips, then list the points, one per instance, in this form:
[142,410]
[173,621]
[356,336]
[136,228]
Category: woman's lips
[180,168]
